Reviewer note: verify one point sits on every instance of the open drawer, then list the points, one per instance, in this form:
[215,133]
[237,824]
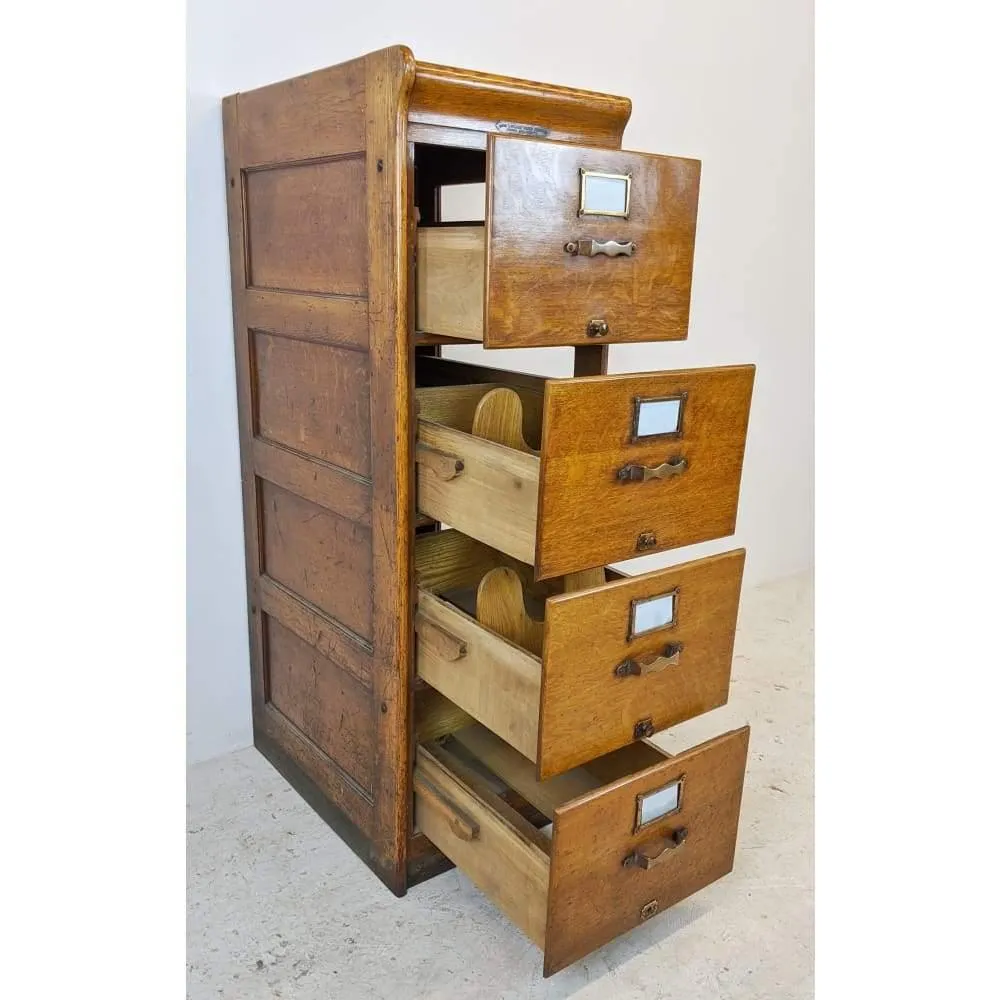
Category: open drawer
[632,833]
[568,474]
[577,245]
[570,669]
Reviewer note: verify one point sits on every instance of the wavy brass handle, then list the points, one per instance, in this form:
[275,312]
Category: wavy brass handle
[591,248]
[632,473]
[632,667]
[649,857]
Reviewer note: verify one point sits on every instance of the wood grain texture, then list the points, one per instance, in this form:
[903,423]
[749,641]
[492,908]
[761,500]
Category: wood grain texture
[539,295]
[318,555]
[318,114]
[466,99]
[586,710]
[495,681]
[324,319]
[434,716]
[507,860]
[451,264]
[495,499]
[584,579]
[592,896]
[307,228]
[389,76]
[323,700]
[450,560]
[345,494]
[587,517]
[314,398]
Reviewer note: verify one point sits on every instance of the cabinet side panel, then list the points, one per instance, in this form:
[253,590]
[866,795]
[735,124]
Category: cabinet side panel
[305,433]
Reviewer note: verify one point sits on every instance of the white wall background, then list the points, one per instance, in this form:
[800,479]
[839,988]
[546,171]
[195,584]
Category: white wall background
[726,81]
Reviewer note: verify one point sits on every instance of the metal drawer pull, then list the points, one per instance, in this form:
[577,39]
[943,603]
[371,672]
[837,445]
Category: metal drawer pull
[598,328]
[439,641]
[670,657]
[445,466]
[643,473]
[591,248]
[462,824]
[648,857]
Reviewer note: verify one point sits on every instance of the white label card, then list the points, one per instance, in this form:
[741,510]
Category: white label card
[653,613]
[660,803]
[658,416]
[604,194]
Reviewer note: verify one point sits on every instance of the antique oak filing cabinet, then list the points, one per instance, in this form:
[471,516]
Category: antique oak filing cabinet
[443,662]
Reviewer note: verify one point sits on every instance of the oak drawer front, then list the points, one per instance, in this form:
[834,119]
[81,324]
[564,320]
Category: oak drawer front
[598,669]
[602,873]
[633,464]
[623,661]
[544,195]
[598,887]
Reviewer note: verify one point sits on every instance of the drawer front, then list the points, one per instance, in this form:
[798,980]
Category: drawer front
[608,874]
[625,660]
[634,464]
[543,196]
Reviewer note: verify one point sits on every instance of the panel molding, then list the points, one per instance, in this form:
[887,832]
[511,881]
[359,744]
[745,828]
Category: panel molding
[338,490]
[337,320]
[328,636]
[353,798]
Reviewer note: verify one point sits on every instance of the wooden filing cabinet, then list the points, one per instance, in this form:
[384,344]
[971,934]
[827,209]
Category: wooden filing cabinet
[443,662]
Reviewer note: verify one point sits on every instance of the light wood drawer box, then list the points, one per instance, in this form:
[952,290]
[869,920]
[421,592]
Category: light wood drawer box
[632,833]
[591,470]
[512,282]
[563,674]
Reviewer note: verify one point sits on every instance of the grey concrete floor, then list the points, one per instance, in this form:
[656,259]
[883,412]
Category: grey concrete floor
[279,907]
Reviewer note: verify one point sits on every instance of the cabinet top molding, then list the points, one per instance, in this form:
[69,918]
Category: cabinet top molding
[447,97]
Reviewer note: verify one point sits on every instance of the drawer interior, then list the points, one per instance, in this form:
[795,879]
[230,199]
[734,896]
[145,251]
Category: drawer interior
[619,848]
[450,197]
[463,784]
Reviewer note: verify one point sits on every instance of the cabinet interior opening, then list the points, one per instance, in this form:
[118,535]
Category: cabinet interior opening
[450,204]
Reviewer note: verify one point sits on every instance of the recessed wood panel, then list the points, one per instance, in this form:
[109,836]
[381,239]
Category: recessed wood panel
[316,694]
[314,398]
[317,114]
[307,227]
[318,555]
